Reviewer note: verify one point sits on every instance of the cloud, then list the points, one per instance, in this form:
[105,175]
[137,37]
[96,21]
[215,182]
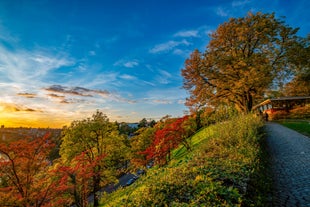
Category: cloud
[65,90]
[53,95]
[27,95]
[220,12]
[92,53]
[10,107]
[128,77]
[107,78]
[163,77]
[240,3]
[24,67]
[127,64]
[168,46]
[181,101]
[183,53]
[187,33]
[131,64]
[83,92]
[162,101]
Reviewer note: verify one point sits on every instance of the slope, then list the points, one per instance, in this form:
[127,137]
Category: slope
[215,173]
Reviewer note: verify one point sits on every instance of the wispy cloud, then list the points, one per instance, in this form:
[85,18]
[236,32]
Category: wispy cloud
[168,46]
[27,95]
[187,33]
[53,95]
[107,78]
[92,53]
[162,101]
[11,107]
[240,3]
[82,92]
[21,66]
[221,12]
[163,77]
[127,64]
[128,77]
[76,91]
[131,64]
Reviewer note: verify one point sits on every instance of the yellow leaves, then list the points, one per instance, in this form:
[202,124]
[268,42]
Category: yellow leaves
[199,178]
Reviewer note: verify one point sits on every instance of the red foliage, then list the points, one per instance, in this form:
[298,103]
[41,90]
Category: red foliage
[74,182]
[24,169]
[167,139]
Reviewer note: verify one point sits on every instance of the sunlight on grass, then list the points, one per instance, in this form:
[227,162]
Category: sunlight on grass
[197,139]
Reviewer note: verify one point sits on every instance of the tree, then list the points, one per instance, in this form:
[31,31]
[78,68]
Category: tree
[300,59]
[96,137]
[169,135]
[24,167]
[139,143]
[74,181]
[244,58]
[142,123]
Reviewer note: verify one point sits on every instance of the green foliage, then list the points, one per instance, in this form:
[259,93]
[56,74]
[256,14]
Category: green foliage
[215,173]
[96,137]
[139,143]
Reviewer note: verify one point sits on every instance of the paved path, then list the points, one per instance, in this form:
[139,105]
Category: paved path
[290,161]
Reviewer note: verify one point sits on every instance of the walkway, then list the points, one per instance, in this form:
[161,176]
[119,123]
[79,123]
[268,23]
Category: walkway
[290,161]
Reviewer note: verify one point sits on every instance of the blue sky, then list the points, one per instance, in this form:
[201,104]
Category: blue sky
[62,60]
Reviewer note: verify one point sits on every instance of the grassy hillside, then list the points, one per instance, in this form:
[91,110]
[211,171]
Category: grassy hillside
[216,173]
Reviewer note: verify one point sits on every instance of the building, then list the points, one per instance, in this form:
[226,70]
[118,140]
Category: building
[282,105]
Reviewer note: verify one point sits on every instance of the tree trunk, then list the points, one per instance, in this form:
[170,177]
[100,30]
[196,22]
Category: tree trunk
[249,104]
[198,119]
[96,188]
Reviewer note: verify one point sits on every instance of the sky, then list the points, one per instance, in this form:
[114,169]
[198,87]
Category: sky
[61,60]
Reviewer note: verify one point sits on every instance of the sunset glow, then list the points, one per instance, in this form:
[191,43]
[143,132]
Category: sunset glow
[62,61]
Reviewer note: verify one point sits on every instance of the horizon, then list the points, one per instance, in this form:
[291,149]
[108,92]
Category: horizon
[62,61]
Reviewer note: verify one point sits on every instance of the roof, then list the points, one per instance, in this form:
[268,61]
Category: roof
[288,98]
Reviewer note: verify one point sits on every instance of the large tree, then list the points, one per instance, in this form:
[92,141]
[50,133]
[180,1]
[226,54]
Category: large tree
[96,137]
[244,58]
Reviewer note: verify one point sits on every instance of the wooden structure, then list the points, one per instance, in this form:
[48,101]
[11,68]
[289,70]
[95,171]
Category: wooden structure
[281,104]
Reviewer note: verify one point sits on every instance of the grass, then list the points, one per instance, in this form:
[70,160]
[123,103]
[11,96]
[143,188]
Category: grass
[196,140]
[301,126]
[215,173]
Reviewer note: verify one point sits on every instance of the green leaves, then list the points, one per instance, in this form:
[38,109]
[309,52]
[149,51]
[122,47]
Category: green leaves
[102,147]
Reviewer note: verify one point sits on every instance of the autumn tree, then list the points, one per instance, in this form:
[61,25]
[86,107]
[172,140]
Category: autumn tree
[244,58]
[300,60]
[139,143]
[73,182]
[168,136]
[24,168]
[96,137]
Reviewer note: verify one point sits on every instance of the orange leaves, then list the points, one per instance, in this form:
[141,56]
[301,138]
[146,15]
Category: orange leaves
[24,166]
[242,61]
